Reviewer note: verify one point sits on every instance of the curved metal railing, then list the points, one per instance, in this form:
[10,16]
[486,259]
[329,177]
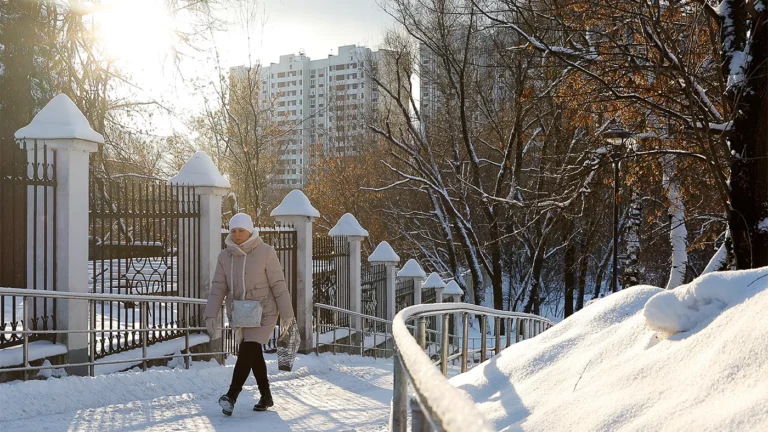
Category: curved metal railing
[436,404]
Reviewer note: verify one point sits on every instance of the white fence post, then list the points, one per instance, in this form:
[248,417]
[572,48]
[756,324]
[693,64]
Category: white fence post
[384,254]
[210,186]
[63,128]
[297,210]
[412,270]
[349,227]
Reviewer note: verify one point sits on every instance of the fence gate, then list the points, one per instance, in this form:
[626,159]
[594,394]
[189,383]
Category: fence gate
[144,240]
[27,235]
[330,280]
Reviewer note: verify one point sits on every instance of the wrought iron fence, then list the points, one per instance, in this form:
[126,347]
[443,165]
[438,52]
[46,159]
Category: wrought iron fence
[429,296]
[374,293]
[404,294]
[330,279]
[144,240]
[27,237]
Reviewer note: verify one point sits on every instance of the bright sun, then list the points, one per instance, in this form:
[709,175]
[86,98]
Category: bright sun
[135,30]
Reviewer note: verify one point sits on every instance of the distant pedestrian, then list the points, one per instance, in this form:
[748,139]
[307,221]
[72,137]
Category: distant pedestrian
[248,269]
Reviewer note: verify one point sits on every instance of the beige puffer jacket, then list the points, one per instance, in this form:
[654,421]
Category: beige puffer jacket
[253,264]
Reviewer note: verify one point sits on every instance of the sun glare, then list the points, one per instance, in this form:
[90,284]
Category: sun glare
[135,30]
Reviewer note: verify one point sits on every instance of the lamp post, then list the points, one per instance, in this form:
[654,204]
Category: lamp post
[617,136]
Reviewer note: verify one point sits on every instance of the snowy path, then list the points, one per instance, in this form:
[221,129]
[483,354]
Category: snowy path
[326,393]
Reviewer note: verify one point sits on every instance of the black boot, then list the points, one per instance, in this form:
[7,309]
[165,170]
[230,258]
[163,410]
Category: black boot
[264,403]
[227,404]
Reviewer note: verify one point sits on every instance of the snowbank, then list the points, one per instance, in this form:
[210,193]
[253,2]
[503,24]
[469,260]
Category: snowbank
[603,368]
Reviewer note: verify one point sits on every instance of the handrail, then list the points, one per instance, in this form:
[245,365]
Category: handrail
[143,329]
[444,407]
[353,328]
[22,292]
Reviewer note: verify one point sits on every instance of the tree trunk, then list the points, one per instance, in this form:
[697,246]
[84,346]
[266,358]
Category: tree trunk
[631,276]
[583,267]
[748,215]
[569,274]
[678,235]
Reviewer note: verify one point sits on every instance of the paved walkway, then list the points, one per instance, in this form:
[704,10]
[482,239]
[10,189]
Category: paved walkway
[329,393]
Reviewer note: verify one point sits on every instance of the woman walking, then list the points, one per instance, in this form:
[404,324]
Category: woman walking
[248,269]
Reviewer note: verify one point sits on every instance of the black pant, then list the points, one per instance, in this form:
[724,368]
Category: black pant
[249,358]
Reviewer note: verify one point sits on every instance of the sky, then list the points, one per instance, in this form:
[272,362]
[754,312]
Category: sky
[138,34]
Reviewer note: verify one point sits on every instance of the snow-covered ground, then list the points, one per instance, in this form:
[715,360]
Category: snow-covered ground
[693,358]
[325,393]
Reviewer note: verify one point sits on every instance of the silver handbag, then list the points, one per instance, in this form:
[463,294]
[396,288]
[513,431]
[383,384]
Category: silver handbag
[246,313]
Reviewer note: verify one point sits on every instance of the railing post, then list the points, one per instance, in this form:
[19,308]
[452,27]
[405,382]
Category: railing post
[422,332]
[62,127]
[497,330]
[92,335]
[185,308]
[25,329]
[296,209]
[317,331]
[518,329]
[444,346]
[418,421]
[464,341]
[509,332]
[399,421]
[144,335]
[483,337]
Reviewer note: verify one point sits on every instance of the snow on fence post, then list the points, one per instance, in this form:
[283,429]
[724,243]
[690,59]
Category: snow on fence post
[297,210]
[412,270]
[348,227]
[63,128]
[384,254]
[210,186]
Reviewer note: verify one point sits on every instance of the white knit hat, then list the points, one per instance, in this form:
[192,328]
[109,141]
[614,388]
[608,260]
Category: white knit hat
[241,220]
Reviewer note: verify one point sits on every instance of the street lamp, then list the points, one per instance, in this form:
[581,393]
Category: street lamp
[617,136]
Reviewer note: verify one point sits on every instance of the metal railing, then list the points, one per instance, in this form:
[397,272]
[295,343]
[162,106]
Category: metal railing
[143,330]
[360,333]
[437,405]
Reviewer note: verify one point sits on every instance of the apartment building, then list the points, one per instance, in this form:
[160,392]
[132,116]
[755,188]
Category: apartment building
[319,106]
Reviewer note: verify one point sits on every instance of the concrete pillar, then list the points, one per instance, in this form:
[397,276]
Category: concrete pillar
[348,227]
[355,279]
[413,271]
[434,281]
[384,254]
[297,210]
[210,186]
[62,127]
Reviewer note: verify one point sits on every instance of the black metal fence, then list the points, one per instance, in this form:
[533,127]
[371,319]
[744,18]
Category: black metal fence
[27,235]
[428,296]
[330,280]
[374,293]
[144,240]
[404,294]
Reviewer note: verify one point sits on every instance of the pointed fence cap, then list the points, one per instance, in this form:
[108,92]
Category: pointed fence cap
[384,254]
[295,204]
[348,226]
[411,269]
[200,171]
[60,119]
[452,288]
[433,281]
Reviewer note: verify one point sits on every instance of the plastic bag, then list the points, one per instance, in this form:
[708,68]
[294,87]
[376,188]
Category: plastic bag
[288,346]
